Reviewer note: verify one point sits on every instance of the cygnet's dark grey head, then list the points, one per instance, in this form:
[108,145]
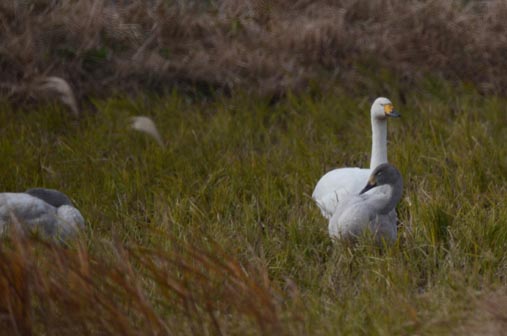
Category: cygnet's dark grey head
[51,196]
[384,174]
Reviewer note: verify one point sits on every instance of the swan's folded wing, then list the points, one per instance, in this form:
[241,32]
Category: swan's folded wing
[337,185]
[385,227]
[350,219]
[27,210]
[70,221]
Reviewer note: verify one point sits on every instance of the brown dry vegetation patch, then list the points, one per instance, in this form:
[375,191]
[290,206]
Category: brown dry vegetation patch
[488,315]
[267,47]
[49,289]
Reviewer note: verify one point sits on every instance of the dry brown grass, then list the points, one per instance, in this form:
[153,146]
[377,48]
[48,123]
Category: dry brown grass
[263,46]
[48,289]
[488,316]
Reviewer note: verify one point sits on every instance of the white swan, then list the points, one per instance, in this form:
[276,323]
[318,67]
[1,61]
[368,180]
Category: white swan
[370,209]
[45,210]
[338,183]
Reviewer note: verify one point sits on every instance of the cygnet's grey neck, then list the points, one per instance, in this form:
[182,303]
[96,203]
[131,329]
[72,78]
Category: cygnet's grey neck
[385,198]
[378,142]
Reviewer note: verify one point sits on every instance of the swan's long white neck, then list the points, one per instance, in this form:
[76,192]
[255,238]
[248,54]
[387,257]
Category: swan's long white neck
[378,142]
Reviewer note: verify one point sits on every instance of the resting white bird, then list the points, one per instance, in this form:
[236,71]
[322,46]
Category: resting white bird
[370,209]
[47,211]
[335,185]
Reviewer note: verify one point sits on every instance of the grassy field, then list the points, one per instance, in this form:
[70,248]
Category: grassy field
[217,233]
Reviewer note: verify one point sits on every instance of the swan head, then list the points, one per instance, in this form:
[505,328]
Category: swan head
[383,108]
[51,196]
[384,174]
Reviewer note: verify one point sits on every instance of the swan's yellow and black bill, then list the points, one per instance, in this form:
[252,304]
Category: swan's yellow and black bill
[390,111]
[372,183]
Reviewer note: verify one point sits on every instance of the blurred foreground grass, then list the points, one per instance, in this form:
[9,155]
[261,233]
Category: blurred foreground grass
[217,233]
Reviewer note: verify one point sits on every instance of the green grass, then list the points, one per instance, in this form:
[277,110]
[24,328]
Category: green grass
[235,181]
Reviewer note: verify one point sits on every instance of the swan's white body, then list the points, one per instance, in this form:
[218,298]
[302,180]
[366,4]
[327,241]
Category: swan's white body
[34,214]
[372,210]
[337,184]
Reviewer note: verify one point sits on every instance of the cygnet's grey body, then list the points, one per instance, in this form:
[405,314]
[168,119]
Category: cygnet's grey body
[372,209]
[47,211]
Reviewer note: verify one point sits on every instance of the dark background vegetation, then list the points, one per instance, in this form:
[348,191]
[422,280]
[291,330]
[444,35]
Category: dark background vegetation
[266,47]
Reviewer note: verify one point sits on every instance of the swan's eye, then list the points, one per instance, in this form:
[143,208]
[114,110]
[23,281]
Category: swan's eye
[379,173]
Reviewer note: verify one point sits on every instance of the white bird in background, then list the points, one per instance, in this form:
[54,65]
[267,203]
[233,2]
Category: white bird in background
[147,126]
[47,211]
[369,209]
[335,185]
